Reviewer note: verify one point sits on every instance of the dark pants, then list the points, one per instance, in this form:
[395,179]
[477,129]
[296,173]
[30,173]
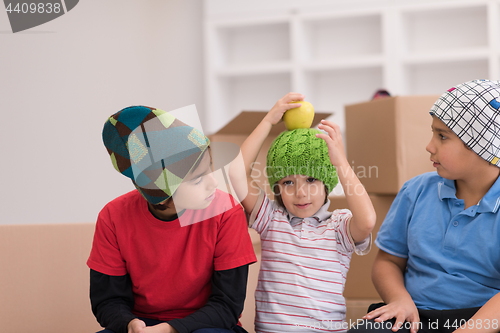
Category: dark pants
[152,322]
[430,321]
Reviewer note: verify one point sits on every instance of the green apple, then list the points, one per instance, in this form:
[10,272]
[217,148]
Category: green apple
[301,117]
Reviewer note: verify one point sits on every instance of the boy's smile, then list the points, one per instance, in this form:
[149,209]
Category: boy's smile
[303,206]
[302,196]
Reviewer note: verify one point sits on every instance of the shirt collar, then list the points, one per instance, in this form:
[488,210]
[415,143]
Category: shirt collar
[491,200]
[489,203]
[446,189]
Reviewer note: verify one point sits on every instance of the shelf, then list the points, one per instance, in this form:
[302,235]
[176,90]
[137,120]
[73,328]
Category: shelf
[467,54]
[251,93]
[340,52]
[346,63]
[252,44]
[494,28]
[331,90]
[435,78]
[494,68]
[445,28]
[340,37]
[255,69]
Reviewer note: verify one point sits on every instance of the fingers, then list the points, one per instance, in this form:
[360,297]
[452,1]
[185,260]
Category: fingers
[327,124]
[324,137]
[415,323]
[292,106]
[385,317]
[327,129]
[291,97]
[399,323]
[136,326]
[385,313]
[400,320]
[331,128]
[414,327]
[329,142]
[287,100]
[285,103]
[376,313]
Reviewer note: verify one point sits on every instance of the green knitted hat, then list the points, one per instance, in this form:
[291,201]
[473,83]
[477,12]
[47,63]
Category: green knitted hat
[300,152]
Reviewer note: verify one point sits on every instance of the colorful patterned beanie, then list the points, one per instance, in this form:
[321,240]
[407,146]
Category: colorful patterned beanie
[153,148]
[472,111]
[300,152]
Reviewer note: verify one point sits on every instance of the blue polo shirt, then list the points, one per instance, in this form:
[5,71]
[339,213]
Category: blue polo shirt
[453,254]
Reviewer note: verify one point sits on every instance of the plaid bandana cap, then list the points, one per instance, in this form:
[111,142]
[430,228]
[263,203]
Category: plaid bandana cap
[153,148]
[472,111]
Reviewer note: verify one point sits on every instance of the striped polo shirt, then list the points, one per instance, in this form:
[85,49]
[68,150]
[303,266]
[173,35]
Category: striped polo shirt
[303,268]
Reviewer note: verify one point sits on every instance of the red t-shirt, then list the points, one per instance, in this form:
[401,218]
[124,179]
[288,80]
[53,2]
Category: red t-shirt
[170,265]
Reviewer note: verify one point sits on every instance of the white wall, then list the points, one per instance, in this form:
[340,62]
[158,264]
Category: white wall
[60,81]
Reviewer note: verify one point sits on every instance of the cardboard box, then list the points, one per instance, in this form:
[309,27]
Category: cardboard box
[386,140]
[238,129]
[359,283]
[357,308]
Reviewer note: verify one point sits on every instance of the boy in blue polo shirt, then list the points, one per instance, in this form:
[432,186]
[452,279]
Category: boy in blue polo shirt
[438,268]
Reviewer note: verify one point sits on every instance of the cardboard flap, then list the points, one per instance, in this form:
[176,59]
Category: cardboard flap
[247,121]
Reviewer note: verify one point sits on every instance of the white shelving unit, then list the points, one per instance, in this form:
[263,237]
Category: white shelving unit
[339,52]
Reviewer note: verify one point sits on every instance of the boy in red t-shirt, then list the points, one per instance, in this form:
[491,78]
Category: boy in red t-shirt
[172,255]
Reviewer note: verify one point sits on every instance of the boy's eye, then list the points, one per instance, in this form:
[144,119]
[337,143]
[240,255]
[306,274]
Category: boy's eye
[311,180]
[287,182]
[442,137]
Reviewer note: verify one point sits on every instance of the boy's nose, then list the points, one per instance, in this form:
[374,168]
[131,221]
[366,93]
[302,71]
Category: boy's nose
[301,191]
[430,147]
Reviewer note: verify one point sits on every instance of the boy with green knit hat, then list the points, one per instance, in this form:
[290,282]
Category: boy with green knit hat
[173,254]
[306,250]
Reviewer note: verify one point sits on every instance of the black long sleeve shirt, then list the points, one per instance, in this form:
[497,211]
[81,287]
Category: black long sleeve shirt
[112,301]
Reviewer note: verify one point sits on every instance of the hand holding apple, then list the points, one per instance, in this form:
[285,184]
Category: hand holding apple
[301,117]
[275,115]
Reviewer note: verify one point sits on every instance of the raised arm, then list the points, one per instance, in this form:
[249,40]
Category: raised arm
[364,217]
[248,190]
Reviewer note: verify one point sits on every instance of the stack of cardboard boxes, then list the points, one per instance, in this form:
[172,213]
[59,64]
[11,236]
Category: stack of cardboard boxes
[386,140]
